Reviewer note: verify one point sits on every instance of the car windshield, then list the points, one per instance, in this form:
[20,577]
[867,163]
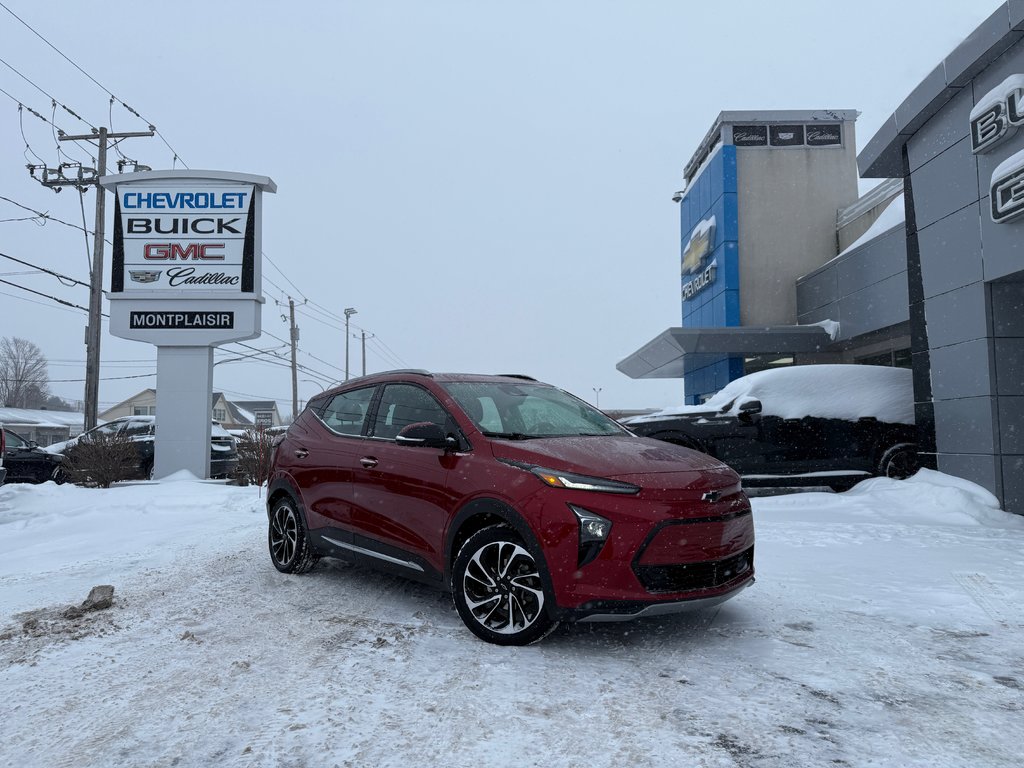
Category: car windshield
[528,410]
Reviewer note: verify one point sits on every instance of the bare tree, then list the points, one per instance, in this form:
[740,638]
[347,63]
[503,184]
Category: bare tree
[24,382]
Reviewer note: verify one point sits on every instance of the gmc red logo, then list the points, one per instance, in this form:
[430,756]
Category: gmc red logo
[175,251]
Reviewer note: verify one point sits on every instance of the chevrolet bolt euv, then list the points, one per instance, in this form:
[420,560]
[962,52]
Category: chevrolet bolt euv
[525,502]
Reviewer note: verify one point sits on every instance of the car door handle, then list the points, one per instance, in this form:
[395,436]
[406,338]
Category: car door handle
[368,461]
[301,453]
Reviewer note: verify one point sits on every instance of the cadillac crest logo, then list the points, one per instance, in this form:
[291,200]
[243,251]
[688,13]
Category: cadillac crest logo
[144,275]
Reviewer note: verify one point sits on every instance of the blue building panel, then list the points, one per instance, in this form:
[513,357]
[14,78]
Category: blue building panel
[713,302]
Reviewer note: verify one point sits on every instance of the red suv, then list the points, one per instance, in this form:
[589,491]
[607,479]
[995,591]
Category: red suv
[528,504]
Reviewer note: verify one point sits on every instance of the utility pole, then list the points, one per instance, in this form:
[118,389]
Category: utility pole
[349,311]
[92,332]
[364,351]
[295,370]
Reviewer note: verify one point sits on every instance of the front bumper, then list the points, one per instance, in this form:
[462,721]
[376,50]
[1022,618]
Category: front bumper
[614,610]
[659,552]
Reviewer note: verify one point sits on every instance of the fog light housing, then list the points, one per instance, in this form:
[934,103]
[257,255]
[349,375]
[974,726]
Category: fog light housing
[593,533]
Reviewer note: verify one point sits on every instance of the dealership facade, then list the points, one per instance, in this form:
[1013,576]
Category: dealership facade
[783,262]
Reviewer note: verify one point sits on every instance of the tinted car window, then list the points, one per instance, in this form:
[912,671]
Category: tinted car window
[405,404]
[106,429]
[137,429]
[346,413]
[14,440]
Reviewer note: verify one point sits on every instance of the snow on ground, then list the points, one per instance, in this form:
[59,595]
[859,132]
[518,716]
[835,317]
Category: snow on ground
[886,628]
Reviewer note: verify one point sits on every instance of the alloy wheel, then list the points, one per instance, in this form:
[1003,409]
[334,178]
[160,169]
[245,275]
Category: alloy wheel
[284,534]
[503,588]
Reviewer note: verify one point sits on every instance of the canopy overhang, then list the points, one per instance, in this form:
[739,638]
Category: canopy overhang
[676,351]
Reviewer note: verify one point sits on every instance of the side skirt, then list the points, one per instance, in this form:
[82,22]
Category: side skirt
[355,548]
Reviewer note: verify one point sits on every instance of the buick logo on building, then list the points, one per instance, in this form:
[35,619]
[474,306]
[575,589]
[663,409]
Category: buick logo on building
[997,114]
[144,275]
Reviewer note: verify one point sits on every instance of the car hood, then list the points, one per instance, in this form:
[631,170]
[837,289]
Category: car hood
[649,424]
[623,457]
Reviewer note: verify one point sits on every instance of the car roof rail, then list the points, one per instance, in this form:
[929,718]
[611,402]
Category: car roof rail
[419,371]
[517,376]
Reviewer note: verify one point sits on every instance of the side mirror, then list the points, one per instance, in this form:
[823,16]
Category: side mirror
[750,410]
[424,434]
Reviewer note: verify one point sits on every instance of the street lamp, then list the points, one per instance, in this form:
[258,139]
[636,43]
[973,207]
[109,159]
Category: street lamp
[349,311]
[597,397]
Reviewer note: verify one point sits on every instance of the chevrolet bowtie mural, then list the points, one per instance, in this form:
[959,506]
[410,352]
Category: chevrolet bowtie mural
[698,247]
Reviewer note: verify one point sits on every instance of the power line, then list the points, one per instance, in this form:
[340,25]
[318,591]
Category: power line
[104,378]
[48,296]
[48,217]
[52,98]
[391,351]
[40,303]
[293,285]
[97,82]
[58,275]
[285,362]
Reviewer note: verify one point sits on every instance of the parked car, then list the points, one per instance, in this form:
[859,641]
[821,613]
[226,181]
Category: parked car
[25,462]
[142,431]
[828,425]
[528,504]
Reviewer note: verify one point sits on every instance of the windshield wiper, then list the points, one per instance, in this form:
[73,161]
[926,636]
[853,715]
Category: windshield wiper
[510,435]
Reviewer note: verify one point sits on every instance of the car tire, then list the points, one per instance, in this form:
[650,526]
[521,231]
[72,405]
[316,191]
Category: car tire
[497,605]
[898,461]
[59,476]
[288,539]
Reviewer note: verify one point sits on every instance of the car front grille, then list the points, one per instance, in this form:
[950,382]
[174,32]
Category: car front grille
[686,577]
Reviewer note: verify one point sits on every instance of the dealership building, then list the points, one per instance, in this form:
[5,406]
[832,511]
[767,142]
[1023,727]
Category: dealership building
[783,262]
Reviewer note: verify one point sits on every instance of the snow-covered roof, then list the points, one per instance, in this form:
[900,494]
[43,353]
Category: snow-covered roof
[894,215]
[846,392]
[42,418]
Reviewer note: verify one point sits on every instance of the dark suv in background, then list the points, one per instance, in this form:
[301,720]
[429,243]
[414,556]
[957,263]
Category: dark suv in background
[141,430]
[527,503]
[816,425]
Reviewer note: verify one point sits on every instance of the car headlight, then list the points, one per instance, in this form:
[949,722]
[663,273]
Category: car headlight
[557,479]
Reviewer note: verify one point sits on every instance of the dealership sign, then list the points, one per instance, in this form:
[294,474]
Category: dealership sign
[998,114]
[186,265]
[184,237]
[994,119]
[186,277]
[698,248]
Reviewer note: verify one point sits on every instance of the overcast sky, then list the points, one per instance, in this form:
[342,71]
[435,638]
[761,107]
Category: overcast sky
[488,184]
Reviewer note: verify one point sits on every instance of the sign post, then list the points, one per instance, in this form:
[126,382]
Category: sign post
[186,277]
